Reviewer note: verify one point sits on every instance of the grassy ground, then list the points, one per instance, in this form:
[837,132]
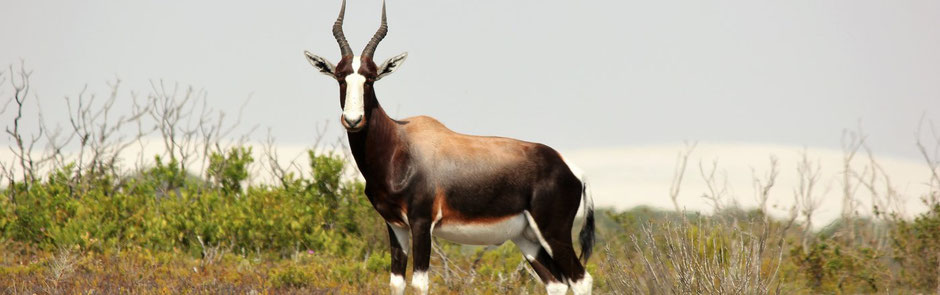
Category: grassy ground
[666,253]
[27,271]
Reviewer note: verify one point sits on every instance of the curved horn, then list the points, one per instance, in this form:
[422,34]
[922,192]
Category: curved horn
[383,29]
[338,32]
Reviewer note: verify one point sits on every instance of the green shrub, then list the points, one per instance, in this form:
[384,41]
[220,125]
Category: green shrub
[167,210]
[164,208]
[379,262]
[830,266]
[228,171]
[917,249]
[7,219]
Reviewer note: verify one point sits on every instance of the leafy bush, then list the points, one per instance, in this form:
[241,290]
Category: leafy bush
[228,171]
[828,266]
[163,209]
[917,249]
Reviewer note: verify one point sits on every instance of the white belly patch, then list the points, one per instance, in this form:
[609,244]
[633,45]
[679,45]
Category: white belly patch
[482,233]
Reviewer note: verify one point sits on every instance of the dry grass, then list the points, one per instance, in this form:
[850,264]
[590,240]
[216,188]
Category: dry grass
[695,258]
[26,270]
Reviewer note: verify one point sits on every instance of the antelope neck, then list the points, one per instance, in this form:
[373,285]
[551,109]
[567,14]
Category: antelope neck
[376,142]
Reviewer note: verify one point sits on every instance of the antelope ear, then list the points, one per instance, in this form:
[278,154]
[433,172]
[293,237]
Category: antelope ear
[391,65]
[323,65]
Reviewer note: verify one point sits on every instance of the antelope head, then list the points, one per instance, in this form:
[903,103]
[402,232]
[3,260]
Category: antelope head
[356,75]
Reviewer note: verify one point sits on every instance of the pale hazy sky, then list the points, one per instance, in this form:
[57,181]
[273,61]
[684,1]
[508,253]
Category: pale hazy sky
[571,74]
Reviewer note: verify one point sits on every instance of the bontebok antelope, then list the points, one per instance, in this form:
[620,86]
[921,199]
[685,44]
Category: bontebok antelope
[426,180]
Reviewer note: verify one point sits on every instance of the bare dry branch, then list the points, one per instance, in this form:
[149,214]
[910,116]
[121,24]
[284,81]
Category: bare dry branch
[805,194]
[682,158]
[852,141]
[22,148]
[717,189]
[763,185]
[932,160]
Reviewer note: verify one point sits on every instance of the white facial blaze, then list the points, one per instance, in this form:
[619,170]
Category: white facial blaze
[355,89]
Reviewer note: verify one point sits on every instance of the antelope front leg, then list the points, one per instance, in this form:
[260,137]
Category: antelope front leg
[398,249]
[421,253]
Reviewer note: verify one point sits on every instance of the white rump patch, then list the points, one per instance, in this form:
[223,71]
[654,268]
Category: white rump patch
[587,203]
[419,281]
[492,233]
[574,169]
[583,286]
[355,91]
[397,284]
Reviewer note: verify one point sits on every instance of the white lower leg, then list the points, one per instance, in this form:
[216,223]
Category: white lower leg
[582,286]
[553,288]
[397,284]
[419,281]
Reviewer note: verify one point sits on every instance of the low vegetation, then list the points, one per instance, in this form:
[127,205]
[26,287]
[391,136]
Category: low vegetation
[192,220]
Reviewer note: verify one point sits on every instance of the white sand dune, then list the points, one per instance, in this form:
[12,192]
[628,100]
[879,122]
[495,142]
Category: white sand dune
[631,176]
